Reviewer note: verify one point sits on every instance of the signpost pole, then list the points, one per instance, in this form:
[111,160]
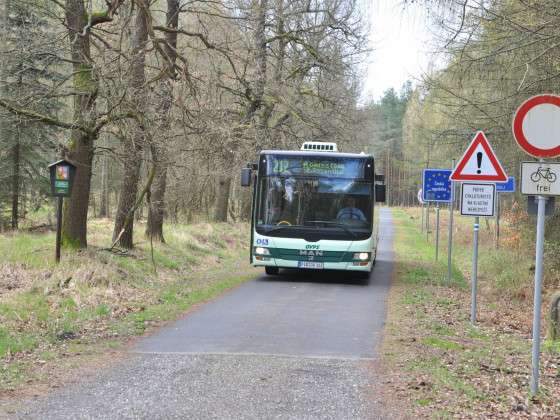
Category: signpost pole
[497,220]
[58,228]
[538,297]
[537,136]
[422,226]
[474,274]
[450,227]
[437,230]
[428,221]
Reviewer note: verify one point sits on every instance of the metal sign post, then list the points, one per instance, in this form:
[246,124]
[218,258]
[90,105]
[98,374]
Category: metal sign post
[497,244]
[437,230]
[421,201]
[428,221]
[450,229]
[436,188]
[537,301]
[540,179]
[479,163]
[474,271]
[535,131]
[477,200]
[422,225]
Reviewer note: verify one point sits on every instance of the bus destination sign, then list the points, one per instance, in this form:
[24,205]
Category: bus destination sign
[316,166]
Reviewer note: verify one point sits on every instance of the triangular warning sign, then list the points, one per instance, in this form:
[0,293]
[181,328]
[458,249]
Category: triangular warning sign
[479,163]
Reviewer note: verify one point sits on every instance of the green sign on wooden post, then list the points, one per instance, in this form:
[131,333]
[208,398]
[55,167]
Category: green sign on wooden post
[62,177]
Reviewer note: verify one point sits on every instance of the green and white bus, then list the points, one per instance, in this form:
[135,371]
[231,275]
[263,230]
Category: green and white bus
[314,209]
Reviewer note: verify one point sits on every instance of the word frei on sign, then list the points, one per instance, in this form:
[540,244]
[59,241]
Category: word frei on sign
[536,129]
[540,178]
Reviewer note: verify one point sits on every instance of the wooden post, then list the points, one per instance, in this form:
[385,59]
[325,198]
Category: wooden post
[58,228]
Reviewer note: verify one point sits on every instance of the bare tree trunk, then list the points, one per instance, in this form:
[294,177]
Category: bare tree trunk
[80,146]
[259,39]
[278,70]
[156,212]
[104,201]
[15,182]
[4,36]
[255,102]
[221,212]
[124,222]
[246,197]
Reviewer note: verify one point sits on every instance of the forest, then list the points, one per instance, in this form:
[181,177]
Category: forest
[160,104]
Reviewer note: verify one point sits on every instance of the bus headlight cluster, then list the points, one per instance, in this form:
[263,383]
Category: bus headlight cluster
[259,250]
[361,256]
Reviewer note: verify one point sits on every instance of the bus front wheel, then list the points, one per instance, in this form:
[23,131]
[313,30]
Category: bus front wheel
[271,271]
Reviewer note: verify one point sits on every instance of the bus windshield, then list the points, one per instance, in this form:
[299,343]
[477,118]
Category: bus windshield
[318,207]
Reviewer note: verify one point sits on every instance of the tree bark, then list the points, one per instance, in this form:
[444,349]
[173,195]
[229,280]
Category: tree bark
[278,70]
[80,146]
[221,212]
[259,81]
[104,201]
[15,182]
[156,211]
[133,146]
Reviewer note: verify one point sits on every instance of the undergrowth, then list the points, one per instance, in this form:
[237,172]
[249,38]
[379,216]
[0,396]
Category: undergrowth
[49,312]
[435,359]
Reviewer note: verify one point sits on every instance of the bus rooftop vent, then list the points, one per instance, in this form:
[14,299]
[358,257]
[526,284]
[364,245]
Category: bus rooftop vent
[319,146]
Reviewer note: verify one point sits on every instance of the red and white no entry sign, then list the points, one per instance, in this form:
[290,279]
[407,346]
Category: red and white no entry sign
[536,126]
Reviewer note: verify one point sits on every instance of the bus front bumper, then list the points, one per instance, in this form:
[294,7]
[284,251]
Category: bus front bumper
[280,263]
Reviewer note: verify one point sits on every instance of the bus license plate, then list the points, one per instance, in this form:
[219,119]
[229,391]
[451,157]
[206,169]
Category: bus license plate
[310,264]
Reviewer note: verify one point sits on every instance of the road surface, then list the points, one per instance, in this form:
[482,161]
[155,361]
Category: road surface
[300,345]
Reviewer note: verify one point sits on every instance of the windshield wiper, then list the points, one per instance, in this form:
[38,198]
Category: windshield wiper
[337,224]
[276,228]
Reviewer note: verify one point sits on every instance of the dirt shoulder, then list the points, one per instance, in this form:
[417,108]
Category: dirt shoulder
[440,366]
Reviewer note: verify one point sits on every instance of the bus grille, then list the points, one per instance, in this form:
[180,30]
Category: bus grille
[310,255]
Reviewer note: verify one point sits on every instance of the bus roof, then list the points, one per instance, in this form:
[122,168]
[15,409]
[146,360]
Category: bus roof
[315,153]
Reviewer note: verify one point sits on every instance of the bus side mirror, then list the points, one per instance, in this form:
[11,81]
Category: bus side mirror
[379,193]
[246,177]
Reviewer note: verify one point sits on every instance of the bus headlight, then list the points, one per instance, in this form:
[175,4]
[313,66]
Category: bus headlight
[259,250]
[361,256]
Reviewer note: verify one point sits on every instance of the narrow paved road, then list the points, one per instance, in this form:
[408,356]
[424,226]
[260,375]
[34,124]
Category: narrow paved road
[297,346]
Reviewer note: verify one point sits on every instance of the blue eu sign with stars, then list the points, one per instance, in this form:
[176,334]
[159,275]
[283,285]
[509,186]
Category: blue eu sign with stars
[436,185]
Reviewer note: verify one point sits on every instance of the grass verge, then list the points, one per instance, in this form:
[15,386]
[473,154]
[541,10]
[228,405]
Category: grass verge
[442,365]
[55,318]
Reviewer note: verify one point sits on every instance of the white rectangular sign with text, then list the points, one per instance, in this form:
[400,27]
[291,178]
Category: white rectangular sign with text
[540,178]
[477,199]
